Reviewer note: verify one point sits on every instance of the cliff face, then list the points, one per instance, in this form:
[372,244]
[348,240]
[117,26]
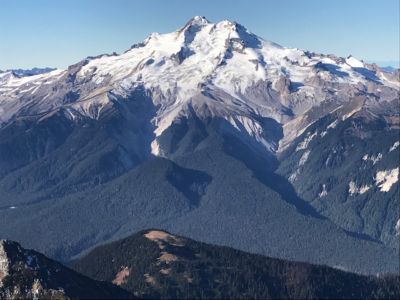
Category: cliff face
[26,274]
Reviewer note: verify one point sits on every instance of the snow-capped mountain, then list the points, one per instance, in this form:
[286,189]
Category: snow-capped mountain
[28,72]
[217,69]
[209,131]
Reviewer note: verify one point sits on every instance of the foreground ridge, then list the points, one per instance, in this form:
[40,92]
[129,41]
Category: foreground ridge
[27,274]
[158,264]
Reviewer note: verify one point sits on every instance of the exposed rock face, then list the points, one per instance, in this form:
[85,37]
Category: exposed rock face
[4,263]
[26,274]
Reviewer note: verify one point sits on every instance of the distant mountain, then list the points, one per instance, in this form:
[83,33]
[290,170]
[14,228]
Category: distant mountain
[27,274]
[28,72]
[157,264]
[210,132]
[389,69]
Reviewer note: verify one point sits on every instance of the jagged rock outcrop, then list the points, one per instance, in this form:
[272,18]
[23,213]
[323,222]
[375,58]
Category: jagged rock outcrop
[27,274]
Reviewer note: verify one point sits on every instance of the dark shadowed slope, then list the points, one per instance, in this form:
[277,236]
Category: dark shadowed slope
[27,274]
[157,264]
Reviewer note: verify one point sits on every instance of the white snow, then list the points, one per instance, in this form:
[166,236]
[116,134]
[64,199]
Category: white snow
[293,176]
[176,68]
[397,227]
[364,188]
[12,88]
[373,158]
[330,126]
[324,192]
[155,148]
[327,60]
[354,189]
[395,146]
[376,158]
[386,179]
[304,158]
[333,124]
[304,144]
[354,62]
[212,53]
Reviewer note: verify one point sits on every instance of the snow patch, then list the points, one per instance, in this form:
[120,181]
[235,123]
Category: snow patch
[354,189]
[155,148]
[333,124]
[354,62]
[376,158]
[304,144]
[330,126]
[386,179]
[395,146]
[292,178]
[304,158]
[397,227]
[364,188]
[324,192]
[373,158]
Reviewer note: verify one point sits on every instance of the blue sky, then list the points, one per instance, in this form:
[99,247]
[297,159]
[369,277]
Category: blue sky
[59,33]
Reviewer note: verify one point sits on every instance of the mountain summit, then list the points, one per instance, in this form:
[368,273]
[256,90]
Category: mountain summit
[197,21]
[189,67]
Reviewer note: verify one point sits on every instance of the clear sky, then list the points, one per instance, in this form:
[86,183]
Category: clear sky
[58,33]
